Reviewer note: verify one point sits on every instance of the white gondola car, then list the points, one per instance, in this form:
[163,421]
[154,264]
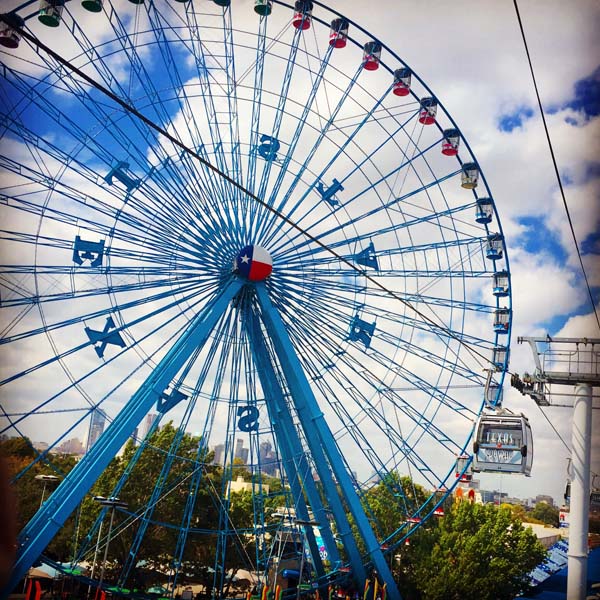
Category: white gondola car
[463,471]
[503,444]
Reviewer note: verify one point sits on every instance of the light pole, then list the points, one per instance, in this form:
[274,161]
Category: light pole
[46,479]
[113,503]
[303,524]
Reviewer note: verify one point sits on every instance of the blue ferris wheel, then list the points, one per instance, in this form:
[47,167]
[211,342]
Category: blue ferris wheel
[255,222]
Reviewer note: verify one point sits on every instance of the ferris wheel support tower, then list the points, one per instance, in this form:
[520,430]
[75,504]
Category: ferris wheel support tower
[570,362]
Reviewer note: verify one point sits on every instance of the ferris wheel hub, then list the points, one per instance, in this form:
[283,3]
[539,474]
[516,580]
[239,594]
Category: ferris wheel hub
[254,263]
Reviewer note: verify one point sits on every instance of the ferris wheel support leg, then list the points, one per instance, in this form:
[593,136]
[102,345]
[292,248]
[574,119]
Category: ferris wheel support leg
[320,440]
[52,515]
[580,492]
[297,470]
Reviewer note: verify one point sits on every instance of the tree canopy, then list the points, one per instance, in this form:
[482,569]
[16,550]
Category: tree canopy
[546,513]
[476,552]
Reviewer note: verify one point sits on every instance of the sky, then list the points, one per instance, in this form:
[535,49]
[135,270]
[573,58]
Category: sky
[472,57]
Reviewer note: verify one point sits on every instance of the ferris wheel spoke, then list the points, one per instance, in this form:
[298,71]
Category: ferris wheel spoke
[352,222]
[363,377]
[318,182]
[100,117]
[258,67]
[211,77]
[376,232]
[354,427]
[229,71]
[119,173]
[207,80]
[270,142]
[111,336]
[396,344]
[308,104]
[78,294]
[357,169]
[140,217]
[145,80]
[427,255]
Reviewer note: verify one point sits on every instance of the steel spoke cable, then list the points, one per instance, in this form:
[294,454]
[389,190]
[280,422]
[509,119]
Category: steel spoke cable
[74,349]
[354,367]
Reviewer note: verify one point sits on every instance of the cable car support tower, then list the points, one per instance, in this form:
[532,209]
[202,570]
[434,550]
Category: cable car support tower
[569,362]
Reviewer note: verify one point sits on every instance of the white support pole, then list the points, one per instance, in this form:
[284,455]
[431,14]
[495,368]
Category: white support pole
[580,492]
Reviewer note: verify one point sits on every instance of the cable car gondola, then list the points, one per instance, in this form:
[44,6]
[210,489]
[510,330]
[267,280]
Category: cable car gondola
[503,444]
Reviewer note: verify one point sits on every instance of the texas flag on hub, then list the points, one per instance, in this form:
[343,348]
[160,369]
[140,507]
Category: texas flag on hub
[254,263]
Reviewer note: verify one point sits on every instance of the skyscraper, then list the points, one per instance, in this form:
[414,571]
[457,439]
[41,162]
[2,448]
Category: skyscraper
[239,449]
[219,450]
[97,423]
[148,423]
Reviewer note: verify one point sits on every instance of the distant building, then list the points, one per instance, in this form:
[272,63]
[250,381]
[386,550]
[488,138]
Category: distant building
[134,435]
[514,501]
[72,446]
[268,459]
[219,451]
[41,446]
[544,498]
[239,451]
[148,421]
[494,497]
[239,485]
[97,424]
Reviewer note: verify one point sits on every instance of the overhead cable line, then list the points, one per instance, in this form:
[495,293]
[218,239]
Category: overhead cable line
[560,185]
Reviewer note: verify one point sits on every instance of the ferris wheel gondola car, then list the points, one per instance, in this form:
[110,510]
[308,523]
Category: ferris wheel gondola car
[501,320]
[9,36]
[501,284]
[263,7]
[494,247]
[484,211]
[94,6]
[401,86]
[451,142]
[51,12]
[371,56]
[503,444]
[469,176]
[302,14]
[338,34]
[462,470]
[428,111]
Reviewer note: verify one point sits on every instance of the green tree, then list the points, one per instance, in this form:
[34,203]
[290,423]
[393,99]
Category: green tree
[392,500]
[18,454]
[546,513]
[476,552]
